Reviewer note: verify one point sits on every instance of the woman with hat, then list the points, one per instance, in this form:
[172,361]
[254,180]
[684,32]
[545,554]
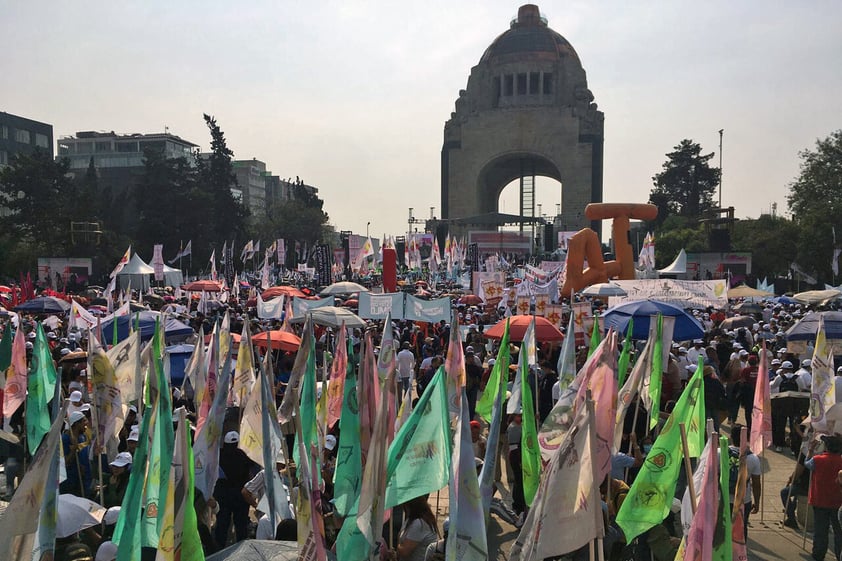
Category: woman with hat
[115,489]
[77,462]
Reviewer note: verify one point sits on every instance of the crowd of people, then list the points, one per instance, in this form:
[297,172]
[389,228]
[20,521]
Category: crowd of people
[732,358]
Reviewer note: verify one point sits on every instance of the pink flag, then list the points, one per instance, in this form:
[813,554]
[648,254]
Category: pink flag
[701,534]
[738,539]
[367,395]
[603,386]
[338,370]
[454,366]
[14,393]
[761,413]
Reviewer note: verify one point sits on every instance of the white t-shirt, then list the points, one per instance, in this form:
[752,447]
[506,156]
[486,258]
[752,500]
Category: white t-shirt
[418,531]
[805,380]
[405,363]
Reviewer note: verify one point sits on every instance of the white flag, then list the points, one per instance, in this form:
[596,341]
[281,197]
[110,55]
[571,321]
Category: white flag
[566,499]
[270,309]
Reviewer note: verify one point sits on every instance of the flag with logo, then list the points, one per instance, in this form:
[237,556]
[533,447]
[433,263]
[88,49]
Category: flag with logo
[650,497]
[121,264]
[822,387]
[106,397]
[419,457]
[454,366]
[348,471]
[33,503]
[566,513]
[14,394]
[208,436]
[270,309]
[179,535]
[338,373]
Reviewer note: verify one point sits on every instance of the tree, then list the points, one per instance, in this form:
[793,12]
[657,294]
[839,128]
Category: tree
[815,201]
[227,219]
[42,202]
[772,241]
[299,218]
[687,183]
[166,202]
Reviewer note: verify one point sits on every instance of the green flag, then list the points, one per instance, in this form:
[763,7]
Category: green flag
[650,497]
[595,338]
[41,385]
[529,451]
[485,405]
[348,472]
[308,398]
[625,355]
[419,458]
[128,529]
[161,448]
[696,422]
[656,378]
[722,541]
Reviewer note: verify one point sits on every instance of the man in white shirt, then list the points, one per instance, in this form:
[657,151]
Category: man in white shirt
[694,352]
[805,377]
[405,366]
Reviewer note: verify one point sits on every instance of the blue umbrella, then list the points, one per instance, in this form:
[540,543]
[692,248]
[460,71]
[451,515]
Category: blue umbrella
[44,305]
[686,326]
[806,328]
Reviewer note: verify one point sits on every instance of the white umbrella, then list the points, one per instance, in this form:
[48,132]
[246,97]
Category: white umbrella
[343,287]
[76,513]
[604,289]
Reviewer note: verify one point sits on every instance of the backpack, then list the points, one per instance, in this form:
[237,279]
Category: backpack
[789,384]
[733,469]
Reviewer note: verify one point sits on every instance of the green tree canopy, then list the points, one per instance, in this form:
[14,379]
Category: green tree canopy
[687,183]
[815,201]
[42,201]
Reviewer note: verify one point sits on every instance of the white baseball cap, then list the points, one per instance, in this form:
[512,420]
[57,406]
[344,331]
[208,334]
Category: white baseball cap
[330,442]
[123,459]
[111,515]
[74,418]
[786,364]
[232,437]
[134,434]
[806,363]
[107,551]
[76,396]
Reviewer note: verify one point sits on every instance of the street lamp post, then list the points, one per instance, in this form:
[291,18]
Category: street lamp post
[367,224]
[720,166]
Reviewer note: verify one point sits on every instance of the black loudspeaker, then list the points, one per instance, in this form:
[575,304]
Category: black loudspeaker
[549,238]
[720,240]
[400,247]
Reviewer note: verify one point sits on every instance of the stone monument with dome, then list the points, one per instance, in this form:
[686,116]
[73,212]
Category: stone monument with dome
[525,112]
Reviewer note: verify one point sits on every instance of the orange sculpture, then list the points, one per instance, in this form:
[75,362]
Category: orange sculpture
[585,244]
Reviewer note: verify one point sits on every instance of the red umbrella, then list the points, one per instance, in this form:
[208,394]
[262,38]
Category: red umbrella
[274,291]
[278,340]
[544,329]
[351,303]
[4,288]
[203,286]
[470,300]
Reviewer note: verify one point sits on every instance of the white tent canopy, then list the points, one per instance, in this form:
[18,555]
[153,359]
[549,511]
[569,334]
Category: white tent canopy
[172,277]
[677,267]
[136,274]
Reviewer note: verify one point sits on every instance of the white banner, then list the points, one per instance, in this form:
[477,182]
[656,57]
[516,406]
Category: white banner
[681,293]
[158,261]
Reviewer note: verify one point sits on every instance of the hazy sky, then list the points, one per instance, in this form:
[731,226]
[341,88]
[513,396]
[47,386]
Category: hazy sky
[352,96]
